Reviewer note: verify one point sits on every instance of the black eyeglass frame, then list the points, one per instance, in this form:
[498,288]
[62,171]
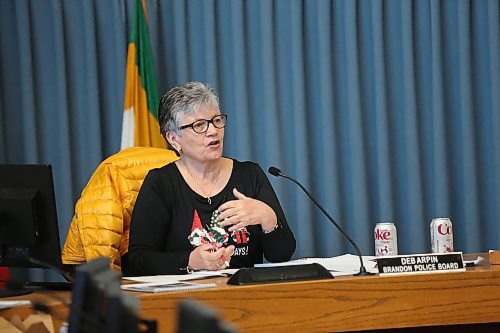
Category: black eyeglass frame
[207,121]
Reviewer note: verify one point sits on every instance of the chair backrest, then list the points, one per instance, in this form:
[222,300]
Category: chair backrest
[101,224]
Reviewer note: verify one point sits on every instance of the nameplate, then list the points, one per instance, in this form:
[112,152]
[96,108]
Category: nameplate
[421,263]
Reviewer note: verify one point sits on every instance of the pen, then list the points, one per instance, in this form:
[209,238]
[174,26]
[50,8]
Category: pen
[226,262]
[223,257]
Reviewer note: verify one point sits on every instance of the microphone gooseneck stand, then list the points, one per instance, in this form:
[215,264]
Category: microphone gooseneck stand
[362,269]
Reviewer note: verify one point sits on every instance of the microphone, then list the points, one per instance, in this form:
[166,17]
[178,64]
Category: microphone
[362,270]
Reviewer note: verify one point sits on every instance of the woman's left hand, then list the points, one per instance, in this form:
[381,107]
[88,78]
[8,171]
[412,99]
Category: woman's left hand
[246,211]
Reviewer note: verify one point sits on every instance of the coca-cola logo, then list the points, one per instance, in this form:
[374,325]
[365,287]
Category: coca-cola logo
[382,234]
[444,229]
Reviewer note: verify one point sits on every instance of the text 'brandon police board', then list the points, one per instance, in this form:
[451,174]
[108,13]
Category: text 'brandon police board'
[420,264]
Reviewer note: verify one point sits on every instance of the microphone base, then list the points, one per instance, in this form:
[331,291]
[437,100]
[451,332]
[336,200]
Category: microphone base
[363,272]
[254,275]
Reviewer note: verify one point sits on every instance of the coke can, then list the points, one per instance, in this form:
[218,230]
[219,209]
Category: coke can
[441,235]
[386,239]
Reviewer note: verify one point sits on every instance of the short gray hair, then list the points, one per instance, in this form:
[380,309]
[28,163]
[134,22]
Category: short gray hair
[184,99]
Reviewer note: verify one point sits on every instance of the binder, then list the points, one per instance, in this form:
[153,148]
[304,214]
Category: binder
[166,287]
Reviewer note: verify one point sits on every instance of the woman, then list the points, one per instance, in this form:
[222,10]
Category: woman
[204,211]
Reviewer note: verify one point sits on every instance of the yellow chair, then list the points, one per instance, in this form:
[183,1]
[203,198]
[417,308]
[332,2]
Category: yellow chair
[101,224]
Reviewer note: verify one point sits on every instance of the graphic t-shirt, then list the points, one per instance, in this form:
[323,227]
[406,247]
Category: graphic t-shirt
[170,220]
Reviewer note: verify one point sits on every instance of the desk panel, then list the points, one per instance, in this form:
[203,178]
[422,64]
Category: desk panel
[342,304]
[346,304]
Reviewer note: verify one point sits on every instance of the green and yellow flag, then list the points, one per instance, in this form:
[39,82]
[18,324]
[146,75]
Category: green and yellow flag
[140,117]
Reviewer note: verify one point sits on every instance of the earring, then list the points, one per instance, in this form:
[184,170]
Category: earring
[179,150]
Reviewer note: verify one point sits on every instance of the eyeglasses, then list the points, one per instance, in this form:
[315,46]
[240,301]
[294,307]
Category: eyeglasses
[201,125]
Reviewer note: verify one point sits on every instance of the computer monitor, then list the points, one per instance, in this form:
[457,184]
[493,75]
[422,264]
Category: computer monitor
[98,304]
[196,317]
[29,232]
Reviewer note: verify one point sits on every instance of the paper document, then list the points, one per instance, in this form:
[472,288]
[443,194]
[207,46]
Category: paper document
[475,262]
[165,287]
[12,304]
[176,278]
[346,264]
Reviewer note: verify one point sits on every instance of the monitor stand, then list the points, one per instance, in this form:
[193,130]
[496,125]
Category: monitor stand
[17,288]
[49,285]
[7,292]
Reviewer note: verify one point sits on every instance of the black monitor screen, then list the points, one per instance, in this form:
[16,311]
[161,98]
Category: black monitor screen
[29,232]
[196,317]
[98,304]
[18,217]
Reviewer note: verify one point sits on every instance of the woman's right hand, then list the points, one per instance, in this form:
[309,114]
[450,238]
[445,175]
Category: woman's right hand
[204,257]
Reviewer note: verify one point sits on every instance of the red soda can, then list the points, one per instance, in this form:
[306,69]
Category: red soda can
[386,239]
[441,235]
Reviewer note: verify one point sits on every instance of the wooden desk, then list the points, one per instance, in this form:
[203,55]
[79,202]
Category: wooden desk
[342,304]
